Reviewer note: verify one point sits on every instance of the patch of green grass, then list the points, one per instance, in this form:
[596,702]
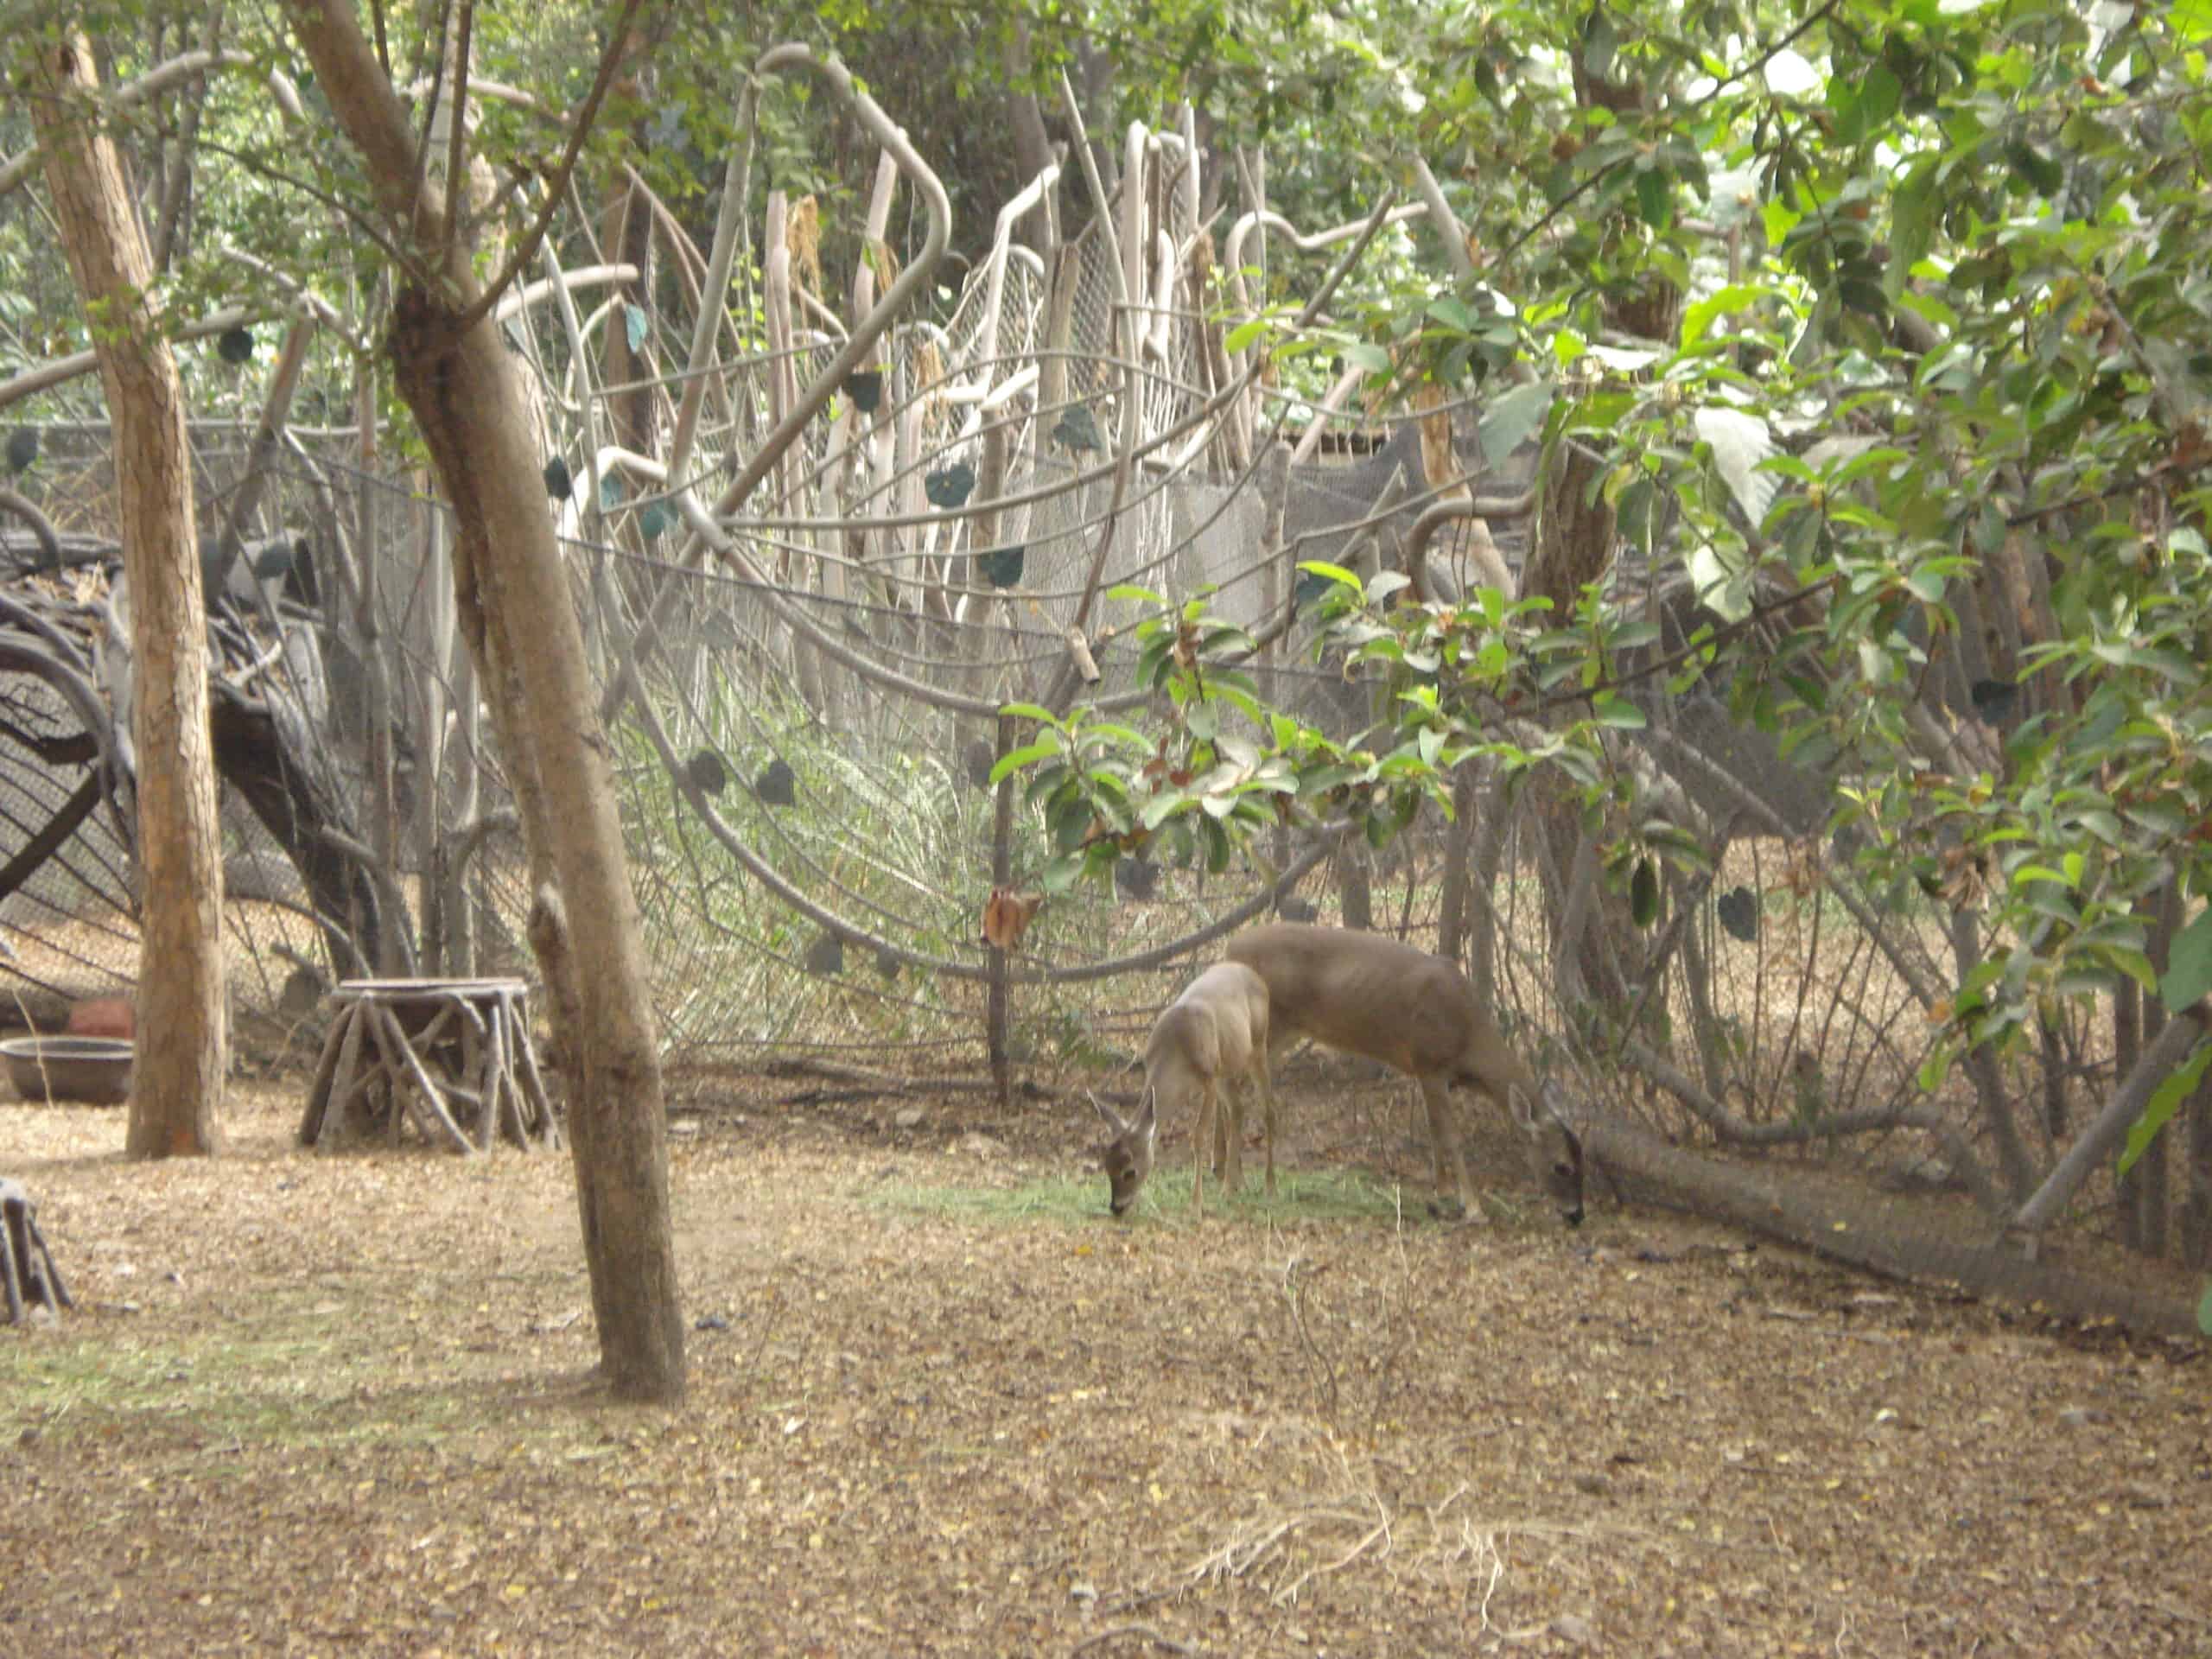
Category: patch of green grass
[302,1376]
[1064,1198]
[249,1388]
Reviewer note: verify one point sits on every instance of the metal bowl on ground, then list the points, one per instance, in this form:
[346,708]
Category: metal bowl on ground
[96,1070]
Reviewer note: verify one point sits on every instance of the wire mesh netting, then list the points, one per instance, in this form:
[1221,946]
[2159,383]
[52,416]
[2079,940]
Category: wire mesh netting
[802,690]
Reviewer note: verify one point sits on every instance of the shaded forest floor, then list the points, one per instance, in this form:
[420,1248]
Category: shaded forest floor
[941,1405]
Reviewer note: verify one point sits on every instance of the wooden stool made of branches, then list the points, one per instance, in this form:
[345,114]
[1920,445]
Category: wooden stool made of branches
[25,1263]
[452,1055]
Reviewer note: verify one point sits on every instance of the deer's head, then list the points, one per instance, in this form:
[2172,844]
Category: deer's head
[1550,1145]
[1127,1159]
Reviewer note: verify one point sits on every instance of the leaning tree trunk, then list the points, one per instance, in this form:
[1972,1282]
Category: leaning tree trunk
[176,1090]
[456,375]
[1572,547]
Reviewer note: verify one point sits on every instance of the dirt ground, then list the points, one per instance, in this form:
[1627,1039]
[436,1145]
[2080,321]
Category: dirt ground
[940,1404]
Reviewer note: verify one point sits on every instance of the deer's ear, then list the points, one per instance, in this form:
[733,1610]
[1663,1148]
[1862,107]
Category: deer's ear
[1522,1105]
[1107,1112]
[1558,1107]
[1147,1117]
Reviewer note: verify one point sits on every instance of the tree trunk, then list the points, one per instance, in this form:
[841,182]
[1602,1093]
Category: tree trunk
[176,1089]
[1878,1232]
[513,598]
[626,237]
[1024,121]
[1573,547]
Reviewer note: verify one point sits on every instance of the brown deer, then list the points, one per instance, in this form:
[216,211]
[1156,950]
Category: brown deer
[1207,1043]
[1370,996]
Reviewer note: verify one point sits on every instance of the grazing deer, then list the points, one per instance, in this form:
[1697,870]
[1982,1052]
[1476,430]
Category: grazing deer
[1370,996]
[1206,1043]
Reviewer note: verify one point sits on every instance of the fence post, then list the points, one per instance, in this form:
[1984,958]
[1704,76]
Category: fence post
[1001,876]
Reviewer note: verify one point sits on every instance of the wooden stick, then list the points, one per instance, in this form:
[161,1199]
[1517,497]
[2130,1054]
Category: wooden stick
[389,1033]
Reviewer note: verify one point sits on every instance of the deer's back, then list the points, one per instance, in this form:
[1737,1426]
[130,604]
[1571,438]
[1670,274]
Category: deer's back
[1368,994]
[1213,1028]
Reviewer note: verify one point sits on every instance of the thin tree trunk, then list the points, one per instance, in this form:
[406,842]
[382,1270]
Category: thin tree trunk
[176,1090]
[513,601]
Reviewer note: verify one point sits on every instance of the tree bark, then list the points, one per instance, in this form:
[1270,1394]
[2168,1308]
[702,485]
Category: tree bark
[176,1090]
[524,637]
[1880,1233]
[1025,120]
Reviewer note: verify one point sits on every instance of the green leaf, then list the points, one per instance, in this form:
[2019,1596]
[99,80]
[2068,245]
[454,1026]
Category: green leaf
[1367,358]
[1155,661]
[1217,846]
[1336,573]
[1698,319]
[1848,108]
[1599,41]
[1655,197]
[1070,826]
[2042,175]
[1912,222]
[1507,423]
[1015,760]
[1322,780]
[1244,334]
[1387,582]
[1937,1065]
[1879,96]
[1867,298]
[636,326]
[2164,1102]
[2189,965]
[1643,893]
[1162,806]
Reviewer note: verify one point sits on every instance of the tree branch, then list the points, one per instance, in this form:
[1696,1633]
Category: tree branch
[556,186]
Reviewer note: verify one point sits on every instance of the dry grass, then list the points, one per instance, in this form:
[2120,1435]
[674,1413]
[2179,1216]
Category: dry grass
[315,1404]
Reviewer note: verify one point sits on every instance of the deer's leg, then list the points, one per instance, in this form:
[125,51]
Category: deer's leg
[1266,1111]
[1231,1144]
[1199,1136]
[1442,1139]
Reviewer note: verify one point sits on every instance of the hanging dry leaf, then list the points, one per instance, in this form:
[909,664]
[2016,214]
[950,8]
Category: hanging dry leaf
[1006,917]
[803,238]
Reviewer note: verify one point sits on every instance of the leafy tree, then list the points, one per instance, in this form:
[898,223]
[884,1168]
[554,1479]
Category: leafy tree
[1919,422]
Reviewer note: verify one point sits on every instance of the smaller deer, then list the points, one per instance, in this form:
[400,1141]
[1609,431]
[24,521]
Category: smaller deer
[1207,1042]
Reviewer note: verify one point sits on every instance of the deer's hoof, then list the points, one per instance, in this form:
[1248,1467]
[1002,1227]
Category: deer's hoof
[1456,1212]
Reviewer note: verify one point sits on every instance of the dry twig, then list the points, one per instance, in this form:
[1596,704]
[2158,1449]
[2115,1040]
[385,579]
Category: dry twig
[1146,1632]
